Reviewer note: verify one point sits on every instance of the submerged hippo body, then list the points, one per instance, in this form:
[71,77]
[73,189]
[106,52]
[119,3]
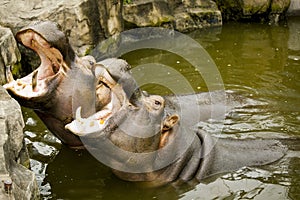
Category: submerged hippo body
[164,149]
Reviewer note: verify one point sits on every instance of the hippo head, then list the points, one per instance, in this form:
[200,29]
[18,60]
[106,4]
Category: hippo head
[56,56]
[141,127]
[52,89]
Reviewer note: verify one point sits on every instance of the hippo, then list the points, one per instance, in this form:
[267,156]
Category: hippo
[63,80]
[149,143]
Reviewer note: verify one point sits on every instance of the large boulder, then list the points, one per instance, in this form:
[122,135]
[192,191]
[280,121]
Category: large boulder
[181,15]
[142,13]
[196,14]
[14,159]
[9,52]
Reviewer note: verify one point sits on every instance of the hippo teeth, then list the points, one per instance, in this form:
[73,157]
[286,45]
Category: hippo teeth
[103,76]
[78,113]
[8,74]
[84,126]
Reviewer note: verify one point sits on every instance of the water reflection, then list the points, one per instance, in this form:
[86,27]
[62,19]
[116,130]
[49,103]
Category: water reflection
[261,62]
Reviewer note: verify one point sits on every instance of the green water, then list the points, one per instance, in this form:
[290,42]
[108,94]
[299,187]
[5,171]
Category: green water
[259,61]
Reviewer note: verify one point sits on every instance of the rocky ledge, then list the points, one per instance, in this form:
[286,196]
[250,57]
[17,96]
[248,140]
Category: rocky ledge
[16,180]
[181,15]
[189,15]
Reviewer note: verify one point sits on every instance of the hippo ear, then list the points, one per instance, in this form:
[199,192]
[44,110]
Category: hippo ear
[170,122]
[167,127]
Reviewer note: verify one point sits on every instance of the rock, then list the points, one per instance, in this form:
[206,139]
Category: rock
[142,13]
[279,6]
[9,52]
[250,7]
[79,19]
[278,9]
[13,154]
[294,9]
[261,10]
[197,14]
[110,16]
[182,15]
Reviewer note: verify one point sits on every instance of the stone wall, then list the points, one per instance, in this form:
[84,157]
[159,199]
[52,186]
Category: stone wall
[13,154]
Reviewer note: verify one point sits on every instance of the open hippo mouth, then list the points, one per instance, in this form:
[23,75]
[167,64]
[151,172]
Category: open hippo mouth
[38,85]
[118,111]
[98,121]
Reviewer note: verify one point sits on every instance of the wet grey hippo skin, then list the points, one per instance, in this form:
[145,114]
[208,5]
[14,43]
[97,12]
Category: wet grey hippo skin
[62,82]
[150,133]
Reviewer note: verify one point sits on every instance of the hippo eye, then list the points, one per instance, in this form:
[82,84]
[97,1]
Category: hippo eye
[157,103]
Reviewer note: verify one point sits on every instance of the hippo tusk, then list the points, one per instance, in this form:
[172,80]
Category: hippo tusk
[65,67]
[8,74]
[103,75]
[107,82]
[78,114]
